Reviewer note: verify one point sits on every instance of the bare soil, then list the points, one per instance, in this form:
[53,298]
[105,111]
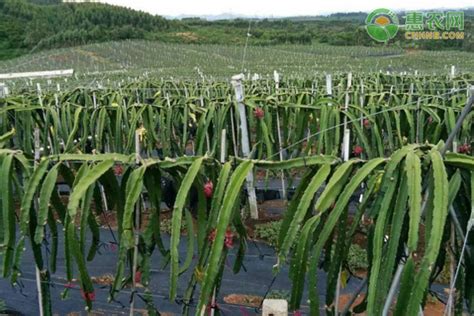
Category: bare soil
[244,299]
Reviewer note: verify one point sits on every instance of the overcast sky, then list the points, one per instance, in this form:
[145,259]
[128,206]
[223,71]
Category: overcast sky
[280,8]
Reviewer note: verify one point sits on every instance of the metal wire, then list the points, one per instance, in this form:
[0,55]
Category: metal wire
[447,308]
[246,45]
[358,120]
[157,295]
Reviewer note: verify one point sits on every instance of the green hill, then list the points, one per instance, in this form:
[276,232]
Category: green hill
[26,26]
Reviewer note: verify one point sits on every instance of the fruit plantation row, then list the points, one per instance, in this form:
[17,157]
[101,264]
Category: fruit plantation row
[113,149]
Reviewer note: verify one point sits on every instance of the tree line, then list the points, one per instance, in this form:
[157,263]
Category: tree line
[31,25]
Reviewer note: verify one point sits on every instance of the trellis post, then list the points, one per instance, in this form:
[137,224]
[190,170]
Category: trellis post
[138,136]
[328,84]
[347,132]
[223,145]
[94,99]
[276,77]
[244,139]
[3,90]
[40,94]
[345,156]
[37,157]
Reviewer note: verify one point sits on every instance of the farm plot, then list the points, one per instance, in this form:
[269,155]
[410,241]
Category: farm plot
[384,154]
